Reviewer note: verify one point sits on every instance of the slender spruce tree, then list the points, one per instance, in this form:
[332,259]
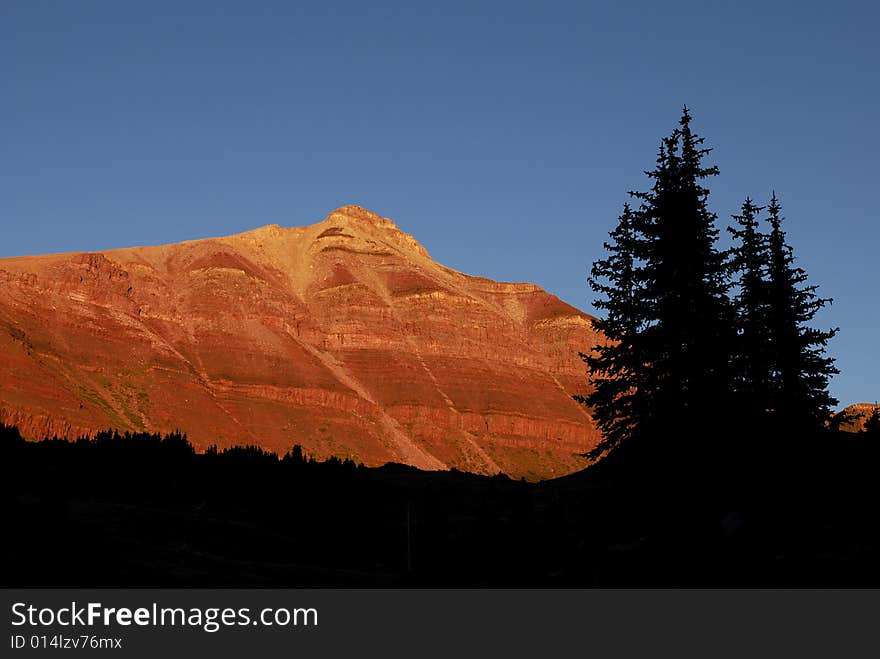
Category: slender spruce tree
[615,366]
[751,360]
[801,369]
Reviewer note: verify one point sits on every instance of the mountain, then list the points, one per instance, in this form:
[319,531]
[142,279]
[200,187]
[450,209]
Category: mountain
[343,336]
[856,416]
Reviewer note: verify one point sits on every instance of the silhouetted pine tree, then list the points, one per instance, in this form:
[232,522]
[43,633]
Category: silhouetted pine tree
[664,287]
[751,361]
[801,369]
[689,339]
[615,367]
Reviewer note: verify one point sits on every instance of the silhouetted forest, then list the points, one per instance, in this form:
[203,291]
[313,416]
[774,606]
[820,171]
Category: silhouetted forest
[144,510]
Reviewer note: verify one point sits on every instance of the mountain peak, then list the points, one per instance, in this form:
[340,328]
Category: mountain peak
[352,212]
[352,221]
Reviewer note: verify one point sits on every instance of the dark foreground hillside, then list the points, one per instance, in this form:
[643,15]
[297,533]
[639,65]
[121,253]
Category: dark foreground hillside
[147,511]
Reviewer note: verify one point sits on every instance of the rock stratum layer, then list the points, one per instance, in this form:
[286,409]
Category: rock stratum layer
[344,337]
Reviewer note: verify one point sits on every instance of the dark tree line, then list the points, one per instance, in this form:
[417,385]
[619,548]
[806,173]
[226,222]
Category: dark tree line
[147,509]
[702,340]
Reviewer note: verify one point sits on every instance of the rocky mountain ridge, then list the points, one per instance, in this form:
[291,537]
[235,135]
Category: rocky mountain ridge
[343,336]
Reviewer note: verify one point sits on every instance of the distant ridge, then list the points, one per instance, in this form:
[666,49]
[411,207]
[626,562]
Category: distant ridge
[859,413]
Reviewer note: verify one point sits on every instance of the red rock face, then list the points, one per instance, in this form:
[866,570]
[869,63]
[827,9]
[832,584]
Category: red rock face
[344,336]
[858,414]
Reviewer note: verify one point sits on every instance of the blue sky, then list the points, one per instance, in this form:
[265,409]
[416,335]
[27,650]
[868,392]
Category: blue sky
[503,135]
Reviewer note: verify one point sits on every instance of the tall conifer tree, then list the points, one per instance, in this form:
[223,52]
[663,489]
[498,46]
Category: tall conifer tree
[801,369]
[615,367]
[674,341]
[688,340]
[748,264]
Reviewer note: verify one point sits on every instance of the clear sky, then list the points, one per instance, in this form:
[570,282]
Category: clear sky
[503,135]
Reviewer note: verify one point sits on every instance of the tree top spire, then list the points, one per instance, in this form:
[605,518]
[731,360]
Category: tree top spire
[685,116]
